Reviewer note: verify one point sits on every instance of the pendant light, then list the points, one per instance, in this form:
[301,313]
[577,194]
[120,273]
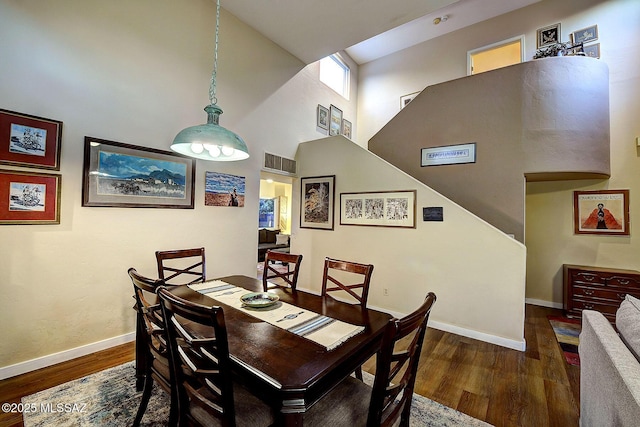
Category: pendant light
[211,141]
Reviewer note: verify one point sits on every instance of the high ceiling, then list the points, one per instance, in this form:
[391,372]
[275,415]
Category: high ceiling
[366,29]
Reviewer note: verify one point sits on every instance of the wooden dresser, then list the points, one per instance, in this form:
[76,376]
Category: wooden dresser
[596,288]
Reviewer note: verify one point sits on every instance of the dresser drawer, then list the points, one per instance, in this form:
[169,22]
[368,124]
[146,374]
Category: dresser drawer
[587,278]
[624,282]
[603,307]
[598,293]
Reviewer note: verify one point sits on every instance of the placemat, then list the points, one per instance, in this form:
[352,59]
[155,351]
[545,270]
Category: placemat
[318,328]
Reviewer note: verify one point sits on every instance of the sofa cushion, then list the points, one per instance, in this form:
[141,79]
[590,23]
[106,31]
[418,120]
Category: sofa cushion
[282,239]
[627,322]
[262,235]
[271,236]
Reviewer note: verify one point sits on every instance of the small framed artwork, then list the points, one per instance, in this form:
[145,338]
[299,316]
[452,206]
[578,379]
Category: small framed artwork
[381,209]
[317,201]
[335,123]
[548,35]
[222,189]
[448,155]
[601,212]
[406,99]
[322,117]
[29,198]
[346,128]
[592,50]
[585,35]
[29,141]
[129,176]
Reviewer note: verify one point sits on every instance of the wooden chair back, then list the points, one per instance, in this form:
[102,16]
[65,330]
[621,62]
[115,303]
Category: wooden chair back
[272,277]
[151,330]
[200,362]
[396,369]
[332,269]
[181,266]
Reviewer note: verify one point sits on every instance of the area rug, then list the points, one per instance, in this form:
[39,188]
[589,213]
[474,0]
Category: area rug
[108,398]
[567,333]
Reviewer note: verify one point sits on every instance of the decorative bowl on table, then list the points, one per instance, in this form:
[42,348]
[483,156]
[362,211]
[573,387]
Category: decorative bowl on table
[259,299]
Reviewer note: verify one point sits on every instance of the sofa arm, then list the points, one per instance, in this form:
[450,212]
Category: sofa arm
[609,376]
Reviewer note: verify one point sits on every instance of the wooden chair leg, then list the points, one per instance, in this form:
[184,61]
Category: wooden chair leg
[146,394]
[358,373]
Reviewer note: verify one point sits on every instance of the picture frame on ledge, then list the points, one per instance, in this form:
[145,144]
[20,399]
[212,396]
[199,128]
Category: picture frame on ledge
[317,202]
[604,212]
[585,35]
[129,176]
[548,36]
[346,128]
[29,197]
[29,141]
[335,123]
[322,117]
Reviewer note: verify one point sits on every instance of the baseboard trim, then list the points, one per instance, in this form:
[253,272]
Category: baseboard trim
[63,356]
[469,333]
[542,303]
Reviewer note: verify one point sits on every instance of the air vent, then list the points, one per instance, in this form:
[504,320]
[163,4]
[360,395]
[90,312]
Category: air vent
[279,164]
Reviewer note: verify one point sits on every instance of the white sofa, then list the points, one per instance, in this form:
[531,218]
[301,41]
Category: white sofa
[610,368]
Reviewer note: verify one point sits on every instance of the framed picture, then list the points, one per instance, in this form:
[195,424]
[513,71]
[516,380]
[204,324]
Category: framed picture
[346,128]
[601,212]
[222,189]
[585,35]
[406,99]
[448,155]
[592,50]
[124,175]
[317,200]
[335,124]
[29,198]
[548,35]
[322,117]
[382,209]
[29,141]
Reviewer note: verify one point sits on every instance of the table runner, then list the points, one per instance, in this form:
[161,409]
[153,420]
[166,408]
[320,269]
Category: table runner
[318,328]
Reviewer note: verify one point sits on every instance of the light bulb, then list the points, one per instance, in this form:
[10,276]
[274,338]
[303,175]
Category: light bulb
[213,150]
[197,148]
[227,151]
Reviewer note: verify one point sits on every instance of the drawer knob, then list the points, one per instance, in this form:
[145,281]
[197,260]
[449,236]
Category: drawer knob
[588,291]
[621,296]
[588,306]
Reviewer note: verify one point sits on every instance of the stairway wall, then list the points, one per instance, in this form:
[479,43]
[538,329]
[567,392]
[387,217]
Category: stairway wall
[543,119]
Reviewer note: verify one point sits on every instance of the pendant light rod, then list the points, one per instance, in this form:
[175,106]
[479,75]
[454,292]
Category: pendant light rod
[211,141]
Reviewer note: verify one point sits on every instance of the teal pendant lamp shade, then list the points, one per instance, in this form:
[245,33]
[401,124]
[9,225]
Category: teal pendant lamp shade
[211,141]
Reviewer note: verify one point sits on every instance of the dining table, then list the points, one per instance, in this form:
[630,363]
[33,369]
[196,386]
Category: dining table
[290,371]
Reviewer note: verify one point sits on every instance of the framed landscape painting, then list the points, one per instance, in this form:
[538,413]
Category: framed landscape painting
[125,175]
[222,189]
[317,200]
[601,212]
[335,122]
[29,141]
[29,198]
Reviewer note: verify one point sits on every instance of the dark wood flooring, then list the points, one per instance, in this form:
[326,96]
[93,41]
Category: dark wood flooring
[500,386]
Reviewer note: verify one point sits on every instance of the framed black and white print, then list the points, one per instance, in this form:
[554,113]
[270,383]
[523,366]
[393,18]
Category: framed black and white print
[322,117]
[585,35]
[381,209]
[548,35]
[317,200]
[125,175]
[335,124]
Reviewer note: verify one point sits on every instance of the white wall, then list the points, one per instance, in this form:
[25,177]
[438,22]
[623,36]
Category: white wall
[549,222]
[133,72]
[476,271]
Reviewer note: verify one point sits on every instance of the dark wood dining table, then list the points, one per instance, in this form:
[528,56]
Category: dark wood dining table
[287,370]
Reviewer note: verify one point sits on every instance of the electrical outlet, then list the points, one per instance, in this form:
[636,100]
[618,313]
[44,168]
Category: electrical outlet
[385,292]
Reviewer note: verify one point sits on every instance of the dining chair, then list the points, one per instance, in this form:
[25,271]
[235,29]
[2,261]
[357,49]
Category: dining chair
[154,353]
[199,358]
[279,278]
[181,266]
[346,276]
[389,399]
[342,275]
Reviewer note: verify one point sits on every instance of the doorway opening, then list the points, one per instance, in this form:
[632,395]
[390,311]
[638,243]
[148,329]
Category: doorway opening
[496,55]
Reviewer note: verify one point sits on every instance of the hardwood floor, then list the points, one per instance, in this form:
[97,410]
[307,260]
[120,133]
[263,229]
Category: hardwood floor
[500,386]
